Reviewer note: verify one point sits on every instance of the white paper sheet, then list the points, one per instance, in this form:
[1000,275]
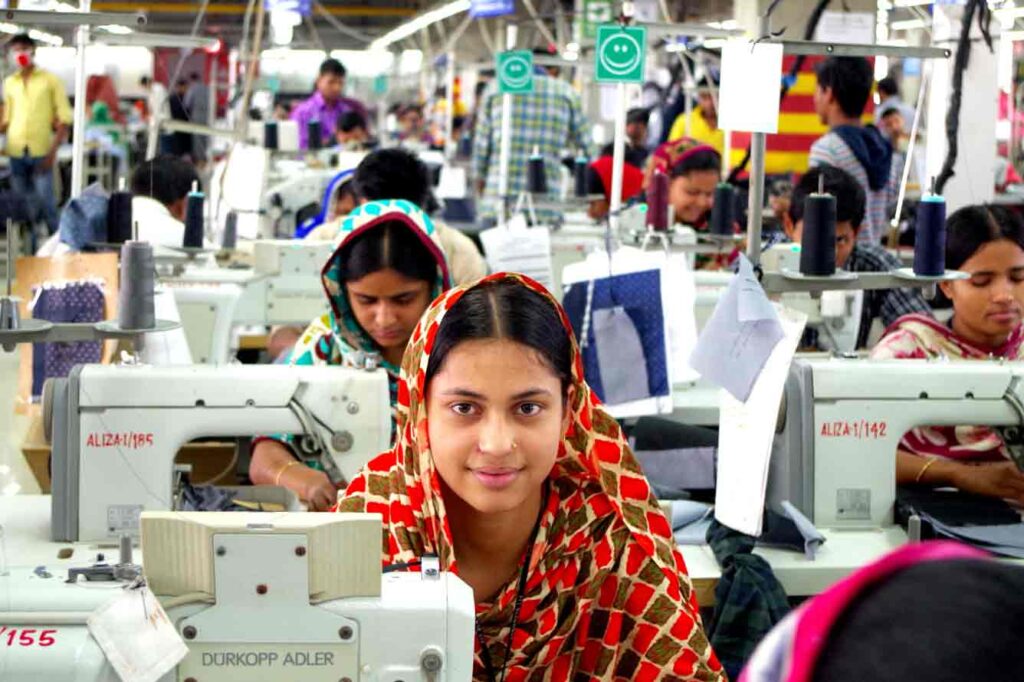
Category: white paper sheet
[739,337]
[136,636]
[522,249]
[751,78]
[846,27]
[745,434]
[453,183]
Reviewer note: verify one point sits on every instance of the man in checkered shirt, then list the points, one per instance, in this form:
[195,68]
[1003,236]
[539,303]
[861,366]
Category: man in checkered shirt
[853,255]
[550,119]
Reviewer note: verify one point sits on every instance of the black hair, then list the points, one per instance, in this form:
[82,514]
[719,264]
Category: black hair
[505,310]
[194,77]
[165,178]
[850,79]
[939,621]
[409,108]
[350,120]
[850,201]
[332,67]
[390,244]
[889,111]
[479,88]
[145,80]
[640,115]
[703,160]
[392,173]
[595,185]
[23,39]
[888,86]
[971,227]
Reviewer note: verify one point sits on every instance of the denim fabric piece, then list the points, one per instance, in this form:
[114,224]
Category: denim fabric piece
[75,302]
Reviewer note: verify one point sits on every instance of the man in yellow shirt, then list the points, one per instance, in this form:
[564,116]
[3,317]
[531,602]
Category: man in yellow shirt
[703,122]
[36,118]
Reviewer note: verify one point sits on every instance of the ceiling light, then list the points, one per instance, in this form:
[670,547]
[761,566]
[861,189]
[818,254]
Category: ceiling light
[909,25]
[419,23]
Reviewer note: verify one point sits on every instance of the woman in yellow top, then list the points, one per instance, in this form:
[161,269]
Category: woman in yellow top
[703,122]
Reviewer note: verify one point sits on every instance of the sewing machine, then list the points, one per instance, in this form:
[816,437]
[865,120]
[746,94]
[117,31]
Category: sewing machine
[252,596]
[835,314]
[834,456]
[282,287]
[115,430]
[271,194]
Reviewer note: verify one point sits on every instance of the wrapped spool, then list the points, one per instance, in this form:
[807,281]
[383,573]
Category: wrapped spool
[818,243]
[194,222]
[230,238]
[930,241]
[314,135]
[119,218]
[580,176]
[536,176]
[657,202]
[135,307]
[270,135]
[723,212]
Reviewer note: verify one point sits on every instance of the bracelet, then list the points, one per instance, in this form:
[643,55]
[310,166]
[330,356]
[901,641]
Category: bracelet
[277,479]
[923,469]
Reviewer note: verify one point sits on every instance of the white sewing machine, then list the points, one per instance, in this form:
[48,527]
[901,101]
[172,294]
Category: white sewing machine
[115,430]
[835,455]
[835,314]
[269,193]
[282,287]
[252,596]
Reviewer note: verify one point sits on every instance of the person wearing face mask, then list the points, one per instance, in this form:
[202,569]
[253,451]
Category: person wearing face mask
[36,119]
[987,242]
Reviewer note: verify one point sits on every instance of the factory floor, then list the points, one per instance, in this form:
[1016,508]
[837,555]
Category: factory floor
[15,475]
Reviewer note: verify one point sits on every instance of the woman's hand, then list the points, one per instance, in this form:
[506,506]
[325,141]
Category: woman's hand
[994,479]
[312,486]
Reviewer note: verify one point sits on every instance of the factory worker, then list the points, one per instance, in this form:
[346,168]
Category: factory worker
[852,254]
[695,169]
[387,265]
[987,242]
[507,468]
[936,611]
[599,181]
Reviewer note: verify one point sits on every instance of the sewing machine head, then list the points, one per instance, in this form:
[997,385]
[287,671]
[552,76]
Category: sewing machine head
[117,429]
[834,455]
[252,596]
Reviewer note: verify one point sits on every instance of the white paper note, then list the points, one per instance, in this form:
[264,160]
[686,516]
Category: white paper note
[745,434]
[751,78]
[522,249]
[740,335]
[846,27]
[137,637]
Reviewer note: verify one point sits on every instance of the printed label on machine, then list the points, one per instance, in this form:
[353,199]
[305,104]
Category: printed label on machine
[258,662]
[123,518]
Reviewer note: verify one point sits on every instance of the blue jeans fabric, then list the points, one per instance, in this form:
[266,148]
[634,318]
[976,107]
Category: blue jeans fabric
[36,184]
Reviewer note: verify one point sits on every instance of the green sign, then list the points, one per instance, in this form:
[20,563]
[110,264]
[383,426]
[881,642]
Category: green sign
[380,85]
[620,54]
[595,13]
[515,72]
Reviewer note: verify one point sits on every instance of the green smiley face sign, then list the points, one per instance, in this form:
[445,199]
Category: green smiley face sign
[620,54]
[515,72]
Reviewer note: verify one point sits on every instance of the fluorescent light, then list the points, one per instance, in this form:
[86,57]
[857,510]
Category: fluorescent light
[727,25]
[1010,12]
[419,23]
[909,25]
[714,43]
[38,36]
[116,29]
[677,47]
[1012,35]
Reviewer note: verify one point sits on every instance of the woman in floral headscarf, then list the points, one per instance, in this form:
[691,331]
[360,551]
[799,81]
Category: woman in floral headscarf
[694,169]
[509,471]
[386,267]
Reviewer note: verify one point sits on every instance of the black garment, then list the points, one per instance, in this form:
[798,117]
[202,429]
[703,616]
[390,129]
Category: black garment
[872,151]
[181,143]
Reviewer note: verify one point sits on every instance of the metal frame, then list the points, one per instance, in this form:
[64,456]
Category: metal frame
[74,19]
[154,40]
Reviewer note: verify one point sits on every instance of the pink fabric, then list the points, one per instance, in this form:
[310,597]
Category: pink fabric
[919,337]
[802,644]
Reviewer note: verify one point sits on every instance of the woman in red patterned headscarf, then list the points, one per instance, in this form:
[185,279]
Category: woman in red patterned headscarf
[524,486]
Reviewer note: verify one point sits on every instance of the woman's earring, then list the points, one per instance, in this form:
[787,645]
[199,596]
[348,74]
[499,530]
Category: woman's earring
[515,445]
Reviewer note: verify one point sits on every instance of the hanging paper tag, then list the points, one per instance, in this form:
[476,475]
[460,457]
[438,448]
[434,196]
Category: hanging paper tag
[751,78]
[138,638]
[517,248]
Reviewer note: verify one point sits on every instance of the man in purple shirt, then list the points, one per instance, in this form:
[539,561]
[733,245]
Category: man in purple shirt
[326,104]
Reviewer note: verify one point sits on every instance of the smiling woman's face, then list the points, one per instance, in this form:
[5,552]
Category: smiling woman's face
[496,418]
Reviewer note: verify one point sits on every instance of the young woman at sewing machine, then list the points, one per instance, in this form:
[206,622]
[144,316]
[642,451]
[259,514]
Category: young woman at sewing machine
[508,470]
[988,243]
[387,266]
[695,169]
